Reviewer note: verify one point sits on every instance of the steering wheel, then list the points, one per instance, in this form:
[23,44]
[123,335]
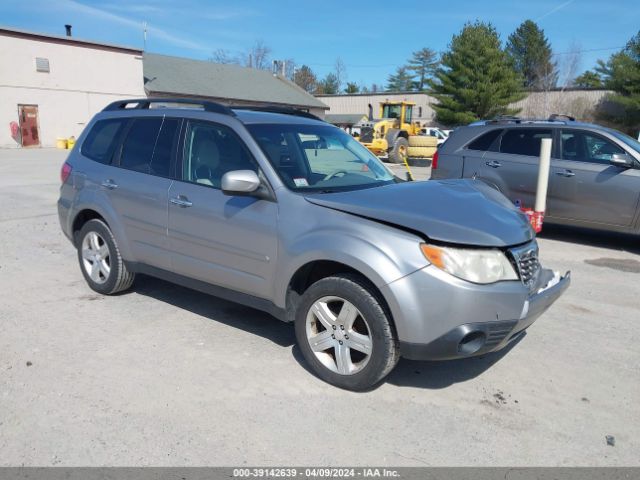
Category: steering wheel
[334,174]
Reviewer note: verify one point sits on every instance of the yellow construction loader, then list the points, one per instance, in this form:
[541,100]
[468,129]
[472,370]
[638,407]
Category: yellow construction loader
[396,136]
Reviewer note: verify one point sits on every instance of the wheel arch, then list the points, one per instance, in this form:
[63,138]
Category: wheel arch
[89,211]
[81,218]
[314,270]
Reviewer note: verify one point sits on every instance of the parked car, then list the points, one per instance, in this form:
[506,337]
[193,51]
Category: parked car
[435,132]
[594,179]
[285,213]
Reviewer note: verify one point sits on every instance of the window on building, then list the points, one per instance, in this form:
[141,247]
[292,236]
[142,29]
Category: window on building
[102,139]
[42,64]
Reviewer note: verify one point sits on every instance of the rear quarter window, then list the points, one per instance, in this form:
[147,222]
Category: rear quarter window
[101,141]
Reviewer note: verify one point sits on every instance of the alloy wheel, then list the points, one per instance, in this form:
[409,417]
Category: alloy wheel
[96,257]
[339,335]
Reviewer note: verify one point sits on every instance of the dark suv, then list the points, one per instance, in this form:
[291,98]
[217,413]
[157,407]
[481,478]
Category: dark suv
[595,171]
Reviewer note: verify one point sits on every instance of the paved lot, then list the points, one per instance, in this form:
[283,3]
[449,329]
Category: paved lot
[167,376]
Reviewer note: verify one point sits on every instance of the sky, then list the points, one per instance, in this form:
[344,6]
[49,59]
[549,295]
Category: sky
[371,37]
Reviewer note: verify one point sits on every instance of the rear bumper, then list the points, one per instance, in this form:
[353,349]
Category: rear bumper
[64,216]
[472,339]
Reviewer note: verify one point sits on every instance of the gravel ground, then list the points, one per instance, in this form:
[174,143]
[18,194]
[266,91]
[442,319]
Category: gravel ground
[163,375]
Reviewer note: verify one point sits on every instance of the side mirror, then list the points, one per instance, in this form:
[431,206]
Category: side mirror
[622,160]
[240,182]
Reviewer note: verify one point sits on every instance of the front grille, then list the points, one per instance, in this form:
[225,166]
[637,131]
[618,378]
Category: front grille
[526,262]
[366,134]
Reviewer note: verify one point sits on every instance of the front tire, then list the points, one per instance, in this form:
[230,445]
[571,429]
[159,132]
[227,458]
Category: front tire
[100,261]
[345,333]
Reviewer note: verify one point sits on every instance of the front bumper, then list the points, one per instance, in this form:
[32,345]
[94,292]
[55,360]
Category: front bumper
[378,146]
[471,319]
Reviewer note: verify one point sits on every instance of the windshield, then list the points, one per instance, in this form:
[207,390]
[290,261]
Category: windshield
[319,158]
[391,111]
[630,141]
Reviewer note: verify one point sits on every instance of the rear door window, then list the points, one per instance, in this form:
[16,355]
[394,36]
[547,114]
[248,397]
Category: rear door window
[138,146]
[486,141]
[102,140]
[163,159]
[524,141]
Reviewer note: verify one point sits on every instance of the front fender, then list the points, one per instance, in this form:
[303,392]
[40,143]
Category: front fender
[381,261]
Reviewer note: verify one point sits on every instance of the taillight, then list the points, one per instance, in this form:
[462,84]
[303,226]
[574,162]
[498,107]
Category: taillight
[434,161]
[65,172]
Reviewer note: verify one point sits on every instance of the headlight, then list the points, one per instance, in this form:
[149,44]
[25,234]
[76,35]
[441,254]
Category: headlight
[475,265]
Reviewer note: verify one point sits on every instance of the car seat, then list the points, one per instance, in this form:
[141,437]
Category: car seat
[206,163]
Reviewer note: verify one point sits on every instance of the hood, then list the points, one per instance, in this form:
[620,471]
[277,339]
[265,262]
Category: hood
[467,212]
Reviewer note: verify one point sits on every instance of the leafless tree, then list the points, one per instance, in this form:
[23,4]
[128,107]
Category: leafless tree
[224,56]
[569,64]
[258,56]
[559,76]
[341,72]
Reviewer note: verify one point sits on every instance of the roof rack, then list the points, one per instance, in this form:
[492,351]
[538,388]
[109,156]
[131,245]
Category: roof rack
[555,116]
[145,104]
[277,109]
[503,119]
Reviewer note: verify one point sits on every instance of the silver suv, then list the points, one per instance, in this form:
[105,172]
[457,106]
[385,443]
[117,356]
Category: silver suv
[595,171]
[283,212]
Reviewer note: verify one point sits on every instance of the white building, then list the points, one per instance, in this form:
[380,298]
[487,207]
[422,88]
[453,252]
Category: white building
[51,86]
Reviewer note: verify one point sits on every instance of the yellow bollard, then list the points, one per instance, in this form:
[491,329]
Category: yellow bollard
[71,141]
[61,143]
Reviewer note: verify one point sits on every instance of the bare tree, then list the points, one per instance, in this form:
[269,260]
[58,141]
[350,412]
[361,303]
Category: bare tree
[258,56]
[289,68]
[340,72]
[568,65]
[224,56]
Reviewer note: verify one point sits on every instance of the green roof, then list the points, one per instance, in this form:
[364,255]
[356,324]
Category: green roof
[344,118]
[182,76]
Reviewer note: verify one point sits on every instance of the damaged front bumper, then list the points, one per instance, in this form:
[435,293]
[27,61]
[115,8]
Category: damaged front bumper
[510,309]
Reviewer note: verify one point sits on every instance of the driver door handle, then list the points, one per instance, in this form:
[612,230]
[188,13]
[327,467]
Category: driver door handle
[566,173]
[181,201]
[493,164]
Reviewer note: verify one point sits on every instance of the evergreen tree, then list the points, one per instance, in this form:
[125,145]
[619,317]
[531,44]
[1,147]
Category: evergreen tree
[305,79]
[352,87]
[475,79]
[423,64]
[588,79]
[622,74]
[401,81]
[530,53]
[329,85]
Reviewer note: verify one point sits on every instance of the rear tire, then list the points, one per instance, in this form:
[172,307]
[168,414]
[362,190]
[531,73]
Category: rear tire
[399,151]
[100,261]
[345,333]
